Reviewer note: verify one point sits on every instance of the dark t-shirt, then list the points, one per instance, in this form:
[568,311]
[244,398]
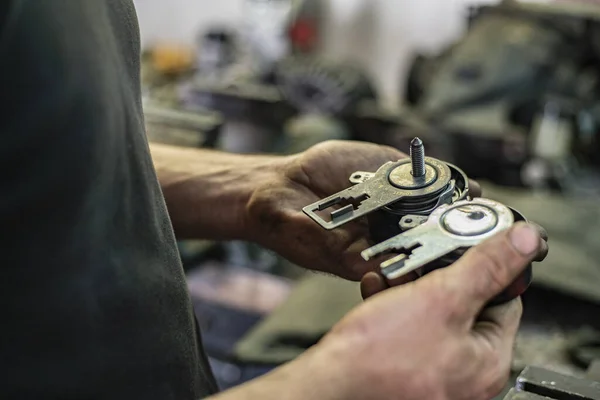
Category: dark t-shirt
[94,299]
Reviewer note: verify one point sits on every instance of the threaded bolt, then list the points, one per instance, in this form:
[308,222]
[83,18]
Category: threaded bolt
[417,157]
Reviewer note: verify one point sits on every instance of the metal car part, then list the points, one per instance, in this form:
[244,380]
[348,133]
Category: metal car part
[274,29]
[449,228]
[520,86]
[315,85]
[216,52]
[437,241]
[384,188]
[168,125]
[538,383]
[412,221]
[395,191]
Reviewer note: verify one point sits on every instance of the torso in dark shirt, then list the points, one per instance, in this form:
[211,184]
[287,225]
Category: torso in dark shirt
[94,300]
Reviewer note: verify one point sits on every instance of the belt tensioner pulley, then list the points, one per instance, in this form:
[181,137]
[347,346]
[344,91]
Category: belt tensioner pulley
[418,208]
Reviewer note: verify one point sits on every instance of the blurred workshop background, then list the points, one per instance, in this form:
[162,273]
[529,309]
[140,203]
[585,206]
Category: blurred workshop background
[508,91]
[381,35]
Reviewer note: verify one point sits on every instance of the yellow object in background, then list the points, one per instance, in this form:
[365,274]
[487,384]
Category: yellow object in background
[172,59]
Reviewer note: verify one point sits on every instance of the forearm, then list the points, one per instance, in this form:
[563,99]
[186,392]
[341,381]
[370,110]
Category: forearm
[207,191]
[317,374]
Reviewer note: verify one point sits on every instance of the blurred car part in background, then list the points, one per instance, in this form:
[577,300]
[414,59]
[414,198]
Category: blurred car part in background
[169,59]
[275,29]
[519,94]
[168,125]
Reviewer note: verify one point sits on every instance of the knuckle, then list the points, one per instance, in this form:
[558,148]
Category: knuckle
[260,207]
[330,142]
[263,211]
[298,171]
[452,308]
[327,145]
[393,152]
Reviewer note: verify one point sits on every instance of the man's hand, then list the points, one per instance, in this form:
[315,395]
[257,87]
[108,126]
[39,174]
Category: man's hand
[427,339]
[220,196]
[438,343]
[275,218]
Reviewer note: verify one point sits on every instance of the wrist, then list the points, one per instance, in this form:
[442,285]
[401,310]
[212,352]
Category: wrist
[331,375]
[225,211]
[252,173]
[266,180]
[316,374]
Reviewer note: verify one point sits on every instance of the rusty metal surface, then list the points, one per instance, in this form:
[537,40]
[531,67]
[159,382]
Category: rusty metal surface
[514,394]
[557,386]
[550,322]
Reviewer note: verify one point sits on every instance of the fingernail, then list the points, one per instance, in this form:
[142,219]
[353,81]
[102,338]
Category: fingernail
[525,239]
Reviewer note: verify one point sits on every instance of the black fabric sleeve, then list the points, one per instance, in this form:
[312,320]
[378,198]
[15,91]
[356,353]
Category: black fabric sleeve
[94,298]
[45,116]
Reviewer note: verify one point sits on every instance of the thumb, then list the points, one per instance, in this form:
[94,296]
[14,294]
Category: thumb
[487,269]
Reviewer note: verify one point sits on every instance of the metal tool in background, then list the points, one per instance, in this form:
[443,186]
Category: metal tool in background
[275,29]
[317,85]
[536,383]
[216,52]
[174,126]
[303,84]
[258,109]
[413,186]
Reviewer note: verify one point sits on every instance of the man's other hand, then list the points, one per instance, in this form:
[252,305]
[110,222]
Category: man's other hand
[429,339]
